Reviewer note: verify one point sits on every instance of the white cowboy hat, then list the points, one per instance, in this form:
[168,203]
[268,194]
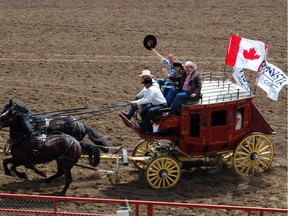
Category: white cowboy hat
[191,64]
[146,73]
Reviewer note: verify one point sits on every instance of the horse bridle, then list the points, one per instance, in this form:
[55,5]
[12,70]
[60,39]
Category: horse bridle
[4,114]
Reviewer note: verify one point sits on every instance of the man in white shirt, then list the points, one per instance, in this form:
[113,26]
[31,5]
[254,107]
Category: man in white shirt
[154,97]
[145,74]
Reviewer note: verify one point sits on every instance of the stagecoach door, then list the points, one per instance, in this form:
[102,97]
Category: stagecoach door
[219,130]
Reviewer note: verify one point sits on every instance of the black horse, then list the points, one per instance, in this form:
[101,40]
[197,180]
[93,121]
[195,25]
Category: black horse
[64,124]
[30,147]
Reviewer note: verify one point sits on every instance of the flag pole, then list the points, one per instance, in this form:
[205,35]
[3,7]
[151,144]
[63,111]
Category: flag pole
[257,80]
[225,74]
[256,83]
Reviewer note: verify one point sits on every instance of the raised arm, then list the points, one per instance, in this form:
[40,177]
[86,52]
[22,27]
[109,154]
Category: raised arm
[160,57]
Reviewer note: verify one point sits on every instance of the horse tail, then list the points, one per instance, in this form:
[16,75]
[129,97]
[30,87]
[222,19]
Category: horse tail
[92,151]
[96,139]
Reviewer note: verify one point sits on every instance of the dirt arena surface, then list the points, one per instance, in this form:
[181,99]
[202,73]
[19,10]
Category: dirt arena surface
[70,54]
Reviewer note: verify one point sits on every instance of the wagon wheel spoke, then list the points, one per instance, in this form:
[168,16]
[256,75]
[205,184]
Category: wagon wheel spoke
[140,150]
[245,149]
[253,143]
[243,162]
[248,168]
[253,154]
[243,153]
[258,167]
[157,166]
[163,172]
[165,182]
[264,158]
[259,146]
[171,179]
[264,148]
[253,167]
[264,165]
[250,146]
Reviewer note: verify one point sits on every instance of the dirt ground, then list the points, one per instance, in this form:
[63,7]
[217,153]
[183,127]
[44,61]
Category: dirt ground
[70,54]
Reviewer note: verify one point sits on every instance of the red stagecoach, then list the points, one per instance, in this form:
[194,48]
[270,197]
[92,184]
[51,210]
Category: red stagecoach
[205,131]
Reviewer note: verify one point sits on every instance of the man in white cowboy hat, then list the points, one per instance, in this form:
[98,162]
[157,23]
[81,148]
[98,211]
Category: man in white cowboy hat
[145,74]
[154,99]
[189,87]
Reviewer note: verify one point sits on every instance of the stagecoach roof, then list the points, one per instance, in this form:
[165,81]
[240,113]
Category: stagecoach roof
[218,91]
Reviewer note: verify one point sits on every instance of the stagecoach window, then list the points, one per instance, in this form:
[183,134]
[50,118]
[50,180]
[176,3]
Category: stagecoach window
[195,125]
[218,118]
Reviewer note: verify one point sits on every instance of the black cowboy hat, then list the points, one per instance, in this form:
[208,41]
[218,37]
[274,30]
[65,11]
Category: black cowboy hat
[177,64]
[147,80]
[150,42]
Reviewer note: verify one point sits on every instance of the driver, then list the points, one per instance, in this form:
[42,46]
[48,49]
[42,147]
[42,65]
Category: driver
[145,74]
[154,97]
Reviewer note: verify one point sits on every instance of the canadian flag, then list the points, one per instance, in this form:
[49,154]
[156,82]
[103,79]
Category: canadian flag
[245,53]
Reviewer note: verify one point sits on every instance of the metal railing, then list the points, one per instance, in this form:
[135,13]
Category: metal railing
[12,204]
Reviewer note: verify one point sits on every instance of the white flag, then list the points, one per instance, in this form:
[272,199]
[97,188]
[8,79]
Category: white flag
[271,79]
[239,76]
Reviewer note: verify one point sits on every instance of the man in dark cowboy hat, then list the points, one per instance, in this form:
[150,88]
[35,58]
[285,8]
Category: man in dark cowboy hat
[155,98]
[145,74]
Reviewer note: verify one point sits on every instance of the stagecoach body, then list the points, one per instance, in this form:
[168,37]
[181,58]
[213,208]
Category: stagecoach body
[209,127]
[206,129]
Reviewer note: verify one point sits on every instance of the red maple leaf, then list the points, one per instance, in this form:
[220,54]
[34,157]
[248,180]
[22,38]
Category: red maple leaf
[251,54]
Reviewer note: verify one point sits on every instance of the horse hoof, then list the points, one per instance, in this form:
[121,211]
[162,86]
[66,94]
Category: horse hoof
[25,176]
[105,149]
[43,175]
[44,184]
[12,173]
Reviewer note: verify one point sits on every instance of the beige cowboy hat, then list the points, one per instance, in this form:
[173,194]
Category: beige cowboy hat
[146,73]
[191,64]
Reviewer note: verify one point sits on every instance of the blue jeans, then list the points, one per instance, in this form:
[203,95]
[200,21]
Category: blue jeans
[152,111]
[132,109]
[166,88]
[178,101]
[161,81]
[171,96]
[144,110]
[143,113]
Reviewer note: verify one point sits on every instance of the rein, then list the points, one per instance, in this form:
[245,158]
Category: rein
[94,113]
[77,110]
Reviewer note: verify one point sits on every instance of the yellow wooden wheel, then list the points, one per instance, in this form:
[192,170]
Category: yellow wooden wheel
[253,154]
[140,150]
[163,172]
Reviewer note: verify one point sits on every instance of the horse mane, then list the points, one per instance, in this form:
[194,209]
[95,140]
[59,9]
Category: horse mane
[21,126]
[17,106]
[23,109]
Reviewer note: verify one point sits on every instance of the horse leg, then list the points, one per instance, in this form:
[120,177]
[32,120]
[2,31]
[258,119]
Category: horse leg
[68,177]
[13,171]
[37,171]
[93,152]
[96,139]
[7,171]
[57,175]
